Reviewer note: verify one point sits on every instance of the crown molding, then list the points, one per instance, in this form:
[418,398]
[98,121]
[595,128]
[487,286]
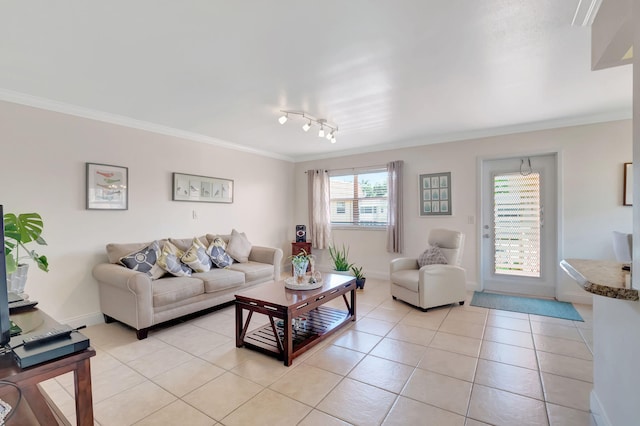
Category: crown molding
[623,114]
[120,120]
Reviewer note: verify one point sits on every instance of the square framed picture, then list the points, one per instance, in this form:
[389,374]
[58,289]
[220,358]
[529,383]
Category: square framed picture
[435,194]
[107,187]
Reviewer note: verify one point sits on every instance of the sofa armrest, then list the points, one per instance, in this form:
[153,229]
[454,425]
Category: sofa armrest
[124,278]
[269,255]
[125,295]
[403,263]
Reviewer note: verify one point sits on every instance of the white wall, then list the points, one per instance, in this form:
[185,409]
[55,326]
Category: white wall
[615,398]
[592,158]
[43,170]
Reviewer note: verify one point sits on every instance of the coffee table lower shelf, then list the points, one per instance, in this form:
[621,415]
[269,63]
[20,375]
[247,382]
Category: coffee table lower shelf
[320,323]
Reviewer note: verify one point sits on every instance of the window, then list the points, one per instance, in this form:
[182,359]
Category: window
[517,224]
[359,199]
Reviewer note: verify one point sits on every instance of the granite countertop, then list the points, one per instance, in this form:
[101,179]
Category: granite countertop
[602,277]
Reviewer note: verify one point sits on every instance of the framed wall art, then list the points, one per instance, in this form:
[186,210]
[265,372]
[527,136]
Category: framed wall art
[202,189]
[627,195]
[107,187]
[435,194]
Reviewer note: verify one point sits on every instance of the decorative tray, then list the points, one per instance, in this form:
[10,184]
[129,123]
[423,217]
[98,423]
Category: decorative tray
[291,284]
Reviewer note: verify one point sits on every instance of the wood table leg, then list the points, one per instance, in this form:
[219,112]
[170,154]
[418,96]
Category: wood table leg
[239,342]
[288,340]
[84,399]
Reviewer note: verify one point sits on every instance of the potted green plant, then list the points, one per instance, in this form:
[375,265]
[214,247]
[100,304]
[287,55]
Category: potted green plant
[20,230]
[300,263]
[360,278]
[339,257]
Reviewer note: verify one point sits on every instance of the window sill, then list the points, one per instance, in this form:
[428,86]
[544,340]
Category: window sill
[358,228]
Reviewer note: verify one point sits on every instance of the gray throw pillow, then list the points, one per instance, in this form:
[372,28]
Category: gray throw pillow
[144,260]
[432,256]
[239,247]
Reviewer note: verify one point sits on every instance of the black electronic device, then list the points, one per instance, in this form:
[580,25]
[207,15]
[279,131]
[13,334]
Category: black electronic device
[42,352]
[63,331]
[5,323]
[21,305]
[301,234]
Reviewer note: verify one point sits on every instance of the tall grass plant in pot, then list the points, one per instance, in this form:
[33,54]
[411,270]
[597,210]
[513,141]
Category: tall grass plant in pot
[339,256]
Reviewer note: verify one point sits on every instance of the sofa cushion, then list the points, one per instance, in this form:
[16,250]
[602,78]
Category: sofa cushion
[144,260]
[253,270]
[196,257]
[174,289]
[169,260]
[407,278]
[432,256]
[185,243]
[239,247]
[220,279]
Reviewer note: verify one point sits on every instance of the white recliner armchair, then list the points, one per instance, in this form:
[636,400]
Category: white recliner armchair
[434,284]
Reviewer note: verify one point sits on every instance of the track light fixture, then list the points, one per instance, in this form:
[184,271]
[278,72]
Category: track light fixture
[329,132]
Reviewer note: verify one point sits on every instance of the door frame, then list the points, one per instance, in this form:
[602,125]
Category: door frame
[481,203]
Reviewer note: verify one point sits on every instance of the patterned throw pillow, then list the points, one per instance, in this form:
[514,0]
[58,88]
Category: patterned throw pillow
[239,246]
[144,260]
[196,257]
[432,256]
[218,255]
[169,260]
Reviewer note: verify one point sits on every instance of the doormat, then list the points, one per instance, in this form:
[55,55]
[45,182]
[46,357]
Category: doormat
[526,305]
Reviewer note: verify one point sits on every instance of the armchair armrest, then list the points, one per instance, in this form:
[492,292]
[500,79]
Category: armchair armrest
[402,263]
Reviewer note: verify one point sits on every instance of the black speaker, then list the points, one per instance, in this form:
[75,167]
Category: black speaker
[301,234]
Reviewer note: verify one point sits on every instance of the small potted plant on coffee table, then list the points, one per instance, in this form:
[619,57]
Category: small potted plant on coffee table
[360,278]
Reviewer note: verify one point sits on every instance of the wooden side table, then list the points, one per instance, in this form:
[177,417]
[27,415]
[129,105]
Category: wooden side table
[35,407]
[297,248]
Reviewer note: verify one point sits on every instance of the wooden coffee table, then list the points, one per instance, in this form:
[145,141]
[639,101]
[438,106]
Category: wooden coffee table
[303,310]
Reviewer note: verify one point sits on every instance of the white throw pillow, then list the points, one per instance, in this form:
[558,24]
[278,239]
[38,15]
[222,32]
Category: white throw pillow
[239,247]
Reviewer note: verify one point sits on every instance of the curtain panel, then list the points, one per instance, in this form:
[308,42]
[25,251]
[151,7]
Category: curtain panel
[319,208]
[395,237]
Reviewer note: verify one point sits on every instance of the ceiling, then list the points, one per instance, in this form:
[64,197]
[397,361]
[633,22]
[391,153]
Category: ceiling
[387,73]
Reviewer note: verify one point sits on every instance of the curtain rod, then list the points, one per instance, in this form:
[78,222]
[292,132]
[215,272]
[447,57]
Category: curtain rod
[356,169]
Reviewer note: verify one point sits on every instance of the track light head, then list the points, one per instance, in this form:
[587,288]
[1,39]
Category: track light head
[329,133]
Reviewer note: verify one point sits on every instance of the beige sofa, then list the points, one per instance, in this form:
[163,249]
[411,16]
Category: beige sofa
[133,298]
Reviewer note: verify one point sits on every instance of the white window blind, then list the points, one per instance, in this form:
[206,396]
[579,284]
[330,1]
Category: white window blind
[517,224]
[359,198]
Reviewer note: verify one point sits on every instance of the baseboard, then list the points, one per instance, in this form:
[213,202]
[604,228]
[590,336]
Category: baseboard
[597,410]
[88,319]
[582,297]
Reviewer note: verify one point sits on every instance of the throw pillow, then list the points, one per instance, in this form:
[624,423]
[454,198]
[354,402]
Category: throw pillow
[219,257]
[239,247]
[169,260]
[144,260]
[196,257]
[432,256]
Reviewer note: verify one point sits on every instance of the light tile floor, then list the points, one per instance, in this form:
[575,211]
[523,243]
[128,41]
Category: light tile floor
[455,365]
